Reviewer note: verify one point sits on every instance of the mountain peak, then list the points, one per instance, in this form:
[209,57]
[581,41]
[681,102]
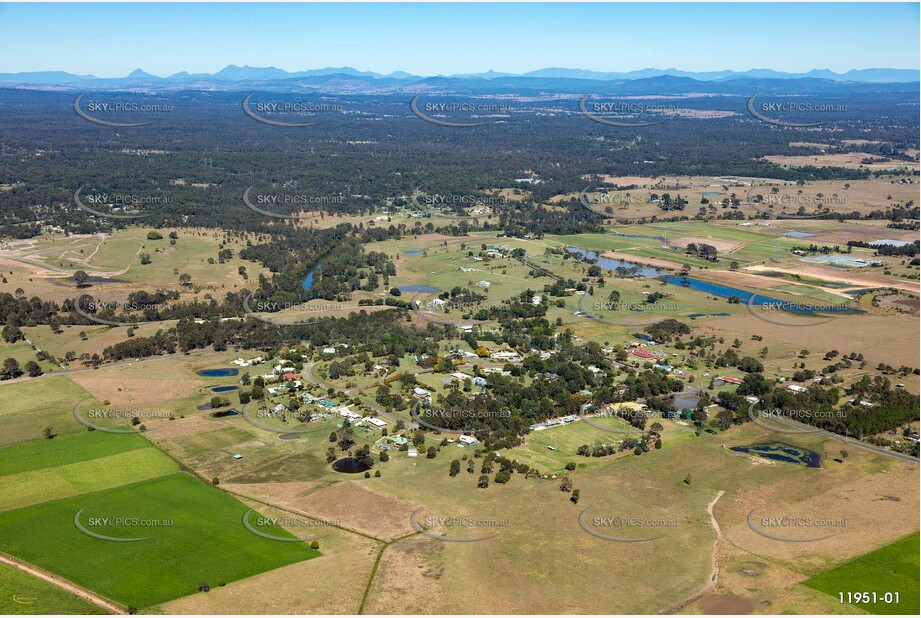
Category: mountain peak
[140,74]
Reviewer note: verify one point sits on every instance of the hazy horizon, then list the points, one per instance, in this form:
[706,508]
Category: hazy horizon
[111,40]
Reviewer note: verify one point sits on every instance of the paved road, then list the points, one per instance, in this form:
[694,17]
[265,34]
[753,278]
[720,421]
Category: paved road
[847,440]
[809,429]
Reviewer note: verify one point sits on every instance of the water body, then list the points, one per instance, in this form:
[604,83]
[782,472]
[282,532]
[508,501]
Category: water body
[711,192]
[224,413]
[609,264]
[694,316]
[308,280]
[422,289]
[350,465]
[798,234]
[219,373]
[97,279]
[743,296]
[413,251]
[223,389]
[703,286]
[781,451]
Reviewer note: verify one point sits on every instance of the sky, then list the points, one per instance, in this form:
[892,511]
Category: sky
[110,40]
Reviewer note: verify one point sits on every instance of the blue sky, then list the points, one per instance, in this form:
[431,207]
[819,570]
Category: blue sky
[110,40]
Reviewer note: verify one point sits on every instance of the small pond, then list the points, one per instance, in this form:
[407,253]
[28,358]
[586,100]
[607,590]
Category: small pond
[225,413]
[781,451]
[219,373]
[350,465]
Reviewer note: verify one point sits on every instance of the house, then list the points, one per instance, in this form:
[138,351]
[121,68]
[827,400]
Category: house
[421,392]
[478,381]
[344,412]
[483,284]
[374,421]
[329,350]
[460,377]
[504,355]
[729,380]
[465,328]
[289,376]
[646,354]
[238,456]
[412,452]
[796,388]
[468,440]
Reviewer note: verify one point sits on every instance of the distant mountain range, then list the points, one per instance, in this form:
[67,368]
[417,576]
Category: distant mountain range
[347,80]
[247,73]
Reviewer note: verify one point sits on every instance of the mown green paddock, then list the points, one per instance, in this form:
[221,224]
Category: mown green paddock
[194,533]
[893,568]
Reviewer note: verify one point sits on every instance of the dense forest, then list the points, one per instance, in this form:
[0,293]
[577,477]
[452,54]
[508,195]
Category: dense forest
[191,166]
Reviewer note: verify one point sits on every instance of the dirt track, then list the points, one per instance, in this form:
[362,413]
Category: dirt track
[63,584]
[714,562]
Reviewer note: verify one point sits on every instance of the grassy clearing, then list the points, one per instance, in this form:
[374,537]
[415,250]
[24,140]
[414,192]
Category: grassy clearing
[204,540]
[33,487]
[30,406]
[66,449]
